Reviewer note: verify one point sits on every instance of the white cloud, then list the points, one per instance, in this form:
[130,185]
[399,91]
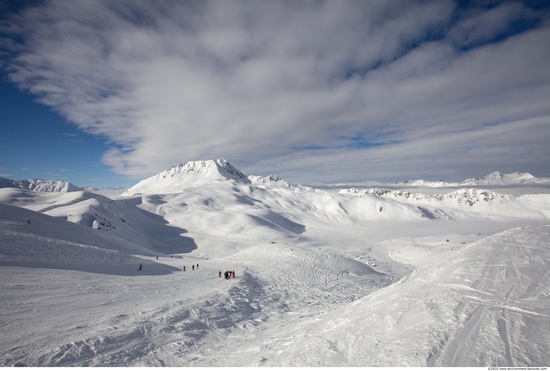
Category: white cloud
[483,26]
[172,81]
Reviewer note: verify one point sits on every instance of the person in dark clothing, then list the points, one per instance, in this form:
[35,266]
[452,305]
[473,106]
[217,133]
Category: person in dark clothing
[140,266]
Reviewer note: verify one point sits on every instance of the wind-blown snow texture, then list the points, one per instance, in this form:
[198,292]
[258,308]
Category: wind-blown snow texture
[359,277]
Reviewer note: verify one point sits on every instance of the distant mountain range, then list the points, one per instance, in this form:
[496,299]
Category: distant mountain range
[495,178]
[40,185]
[198,173]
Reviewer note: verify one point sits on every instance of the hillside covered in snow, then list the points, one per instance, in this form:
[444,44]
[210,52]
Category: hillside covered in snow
[349,277]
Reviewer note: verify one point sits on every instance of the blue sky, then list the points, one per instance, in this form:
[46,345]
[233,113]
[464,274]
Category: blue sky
[38,143]
[106,93]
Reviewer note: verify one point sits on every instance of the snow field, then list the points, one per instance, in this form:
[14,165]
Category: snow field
[322,279]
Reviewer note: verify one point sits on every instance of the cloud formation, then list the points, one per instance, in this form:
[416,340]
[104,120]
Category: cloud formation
[316,91]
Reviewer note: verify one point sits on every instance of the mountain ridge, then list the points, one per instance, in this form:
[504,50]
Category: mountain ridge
[494,178]
[498,178]
[40,185]
[202,172]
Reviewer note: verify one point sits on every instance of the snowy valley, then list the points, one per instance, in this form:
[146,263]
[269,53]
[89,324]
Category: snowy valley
[417,273]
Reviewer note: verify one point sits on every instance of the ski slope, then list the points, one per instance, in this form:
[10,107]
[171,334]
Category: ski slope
[322,278]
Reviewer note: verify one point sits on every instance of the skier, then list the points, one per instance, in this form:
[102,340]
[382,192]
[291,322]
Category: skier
[140,266]
[184,268]
[193,266]
[197,265]
[233,274]
[220,274]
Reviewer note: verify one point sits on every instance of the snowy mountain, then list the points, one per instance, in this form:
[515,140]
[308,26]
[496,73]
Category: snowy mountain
[274,181]
[190,174]
[377,277]
[497,178]
[462,197]
[465,202]
[39,185]
[426,183]
[268,181]
[7,183]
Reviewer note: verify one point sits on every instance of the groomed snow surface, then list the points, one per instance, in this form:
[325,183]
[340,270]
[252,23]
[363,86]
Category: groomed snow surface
[323,278]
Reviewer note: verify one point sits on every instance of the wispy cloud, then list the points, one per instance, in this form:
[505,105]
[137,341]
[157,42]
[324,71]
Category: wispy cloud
[293,86]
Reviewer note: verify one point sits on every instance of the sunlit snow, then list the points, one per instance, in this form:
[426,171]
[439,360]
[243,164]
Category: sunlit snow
[413,274]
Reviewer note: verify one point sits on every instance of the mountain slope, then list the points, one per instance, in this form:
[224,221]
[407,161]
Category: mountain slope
[485,304]
[121,221]
[35,238]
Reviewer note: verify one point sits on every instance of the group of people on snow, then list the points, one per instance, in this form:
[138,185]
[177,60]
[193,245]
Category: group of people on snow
[227,275]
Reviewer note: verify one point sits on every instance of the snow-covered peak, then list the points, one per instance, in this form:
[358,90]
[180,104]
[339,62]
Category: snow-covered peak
[43,185]
[270,181]
[426,183]
[215,169]
[274,181]
[40,185]
[498,178]
[7,183]
[190,174]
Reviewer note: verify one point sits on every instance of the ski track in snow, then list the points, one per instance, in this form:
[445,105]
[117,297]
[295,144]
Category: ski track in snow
[510,296]
[279,304]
